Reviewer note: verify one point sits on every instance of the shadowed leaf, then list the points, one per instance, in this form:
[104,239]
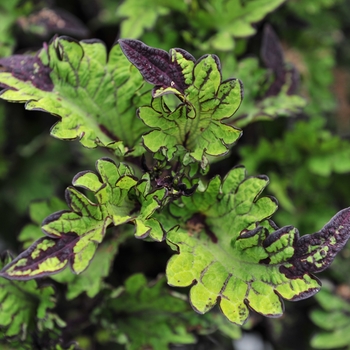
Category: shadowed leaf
[22,304]
[91,280]
[149,316]
[50,21]
[273,57]
[333,318]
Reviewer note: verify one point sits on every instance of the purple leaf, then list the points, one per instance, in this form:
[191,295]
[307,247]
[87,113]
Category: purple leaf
[315,252]
[273,58]
[28,68]
[45,257]
[156,65]
[53,21]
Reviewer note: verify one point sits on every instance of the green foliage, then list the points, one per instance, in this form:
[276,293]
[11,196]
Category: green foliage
[333,318]
[152,315]
[224,254]
[153,312]
[167,173]
[230,20]
[9,13]
[139,16]
[66,72]
[38,211]
[25,306]
[256,105]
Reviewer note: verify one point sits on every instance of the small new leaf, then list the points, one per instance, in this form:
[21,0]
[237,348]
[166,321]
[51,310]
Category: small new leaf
[196,123]
[236,256]
[94,95]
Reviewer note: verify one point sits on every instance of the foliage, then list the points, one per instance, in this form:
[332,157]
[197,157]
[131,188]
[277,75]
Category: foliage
[25,306]
[155,317]
[333,319]
[10,12]
[168,194]
[67,71]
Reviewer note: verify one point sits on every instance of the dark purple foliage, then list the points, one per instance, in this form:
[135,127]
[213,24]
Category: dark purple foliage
[273,58]
[156,65]
[55,21]
[315,252]
[28,68]
[62,250]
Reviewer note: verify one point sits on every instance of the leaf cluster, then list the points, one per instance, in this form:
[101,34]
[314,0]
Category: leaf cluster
[161,124]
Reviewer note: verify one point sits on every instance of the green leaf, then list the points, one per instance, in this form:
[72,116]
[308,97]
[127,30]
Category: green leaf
[235,256]
[196,123]
[23,304]
[231,19]
[334,320]
[72,236]
[94,95]
[139,16]
[147,315]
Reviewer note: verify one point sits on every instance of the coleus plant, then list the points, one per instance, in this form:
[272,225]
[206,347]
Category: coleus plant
[226,246]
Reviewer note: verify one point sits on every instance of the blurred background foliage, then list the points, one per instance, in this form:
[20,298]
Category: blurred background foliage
[293,58]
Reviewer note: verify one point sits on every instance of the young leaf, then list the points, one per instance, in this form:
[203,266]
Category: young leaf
[10,13]
[93,94]
[196,123]
[235,256]
[22,303]
[50,21]
[147,315]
